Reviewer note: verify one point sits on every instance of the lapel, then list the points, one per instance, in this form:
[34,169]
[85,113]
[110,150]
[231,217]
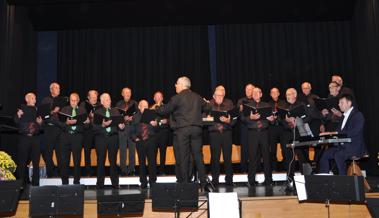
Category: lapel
[348,119]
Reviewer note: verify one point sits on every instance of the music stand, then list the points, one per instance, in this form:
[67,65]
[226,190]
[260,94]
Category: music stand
[175,197]
[331,189]
[56,201]
[9,195]
[120,205]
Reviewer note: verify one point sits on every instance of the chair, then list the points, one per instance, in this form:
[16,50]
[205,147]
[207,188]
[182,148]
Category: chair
[355,170]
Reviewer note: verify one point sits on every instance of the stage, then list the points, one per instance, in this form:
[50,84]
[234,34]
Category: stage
[256,201]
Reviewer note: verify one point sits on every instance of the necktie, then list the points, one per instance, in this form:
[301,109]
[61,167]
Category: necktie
[144,131]
[107,114]
[73,114]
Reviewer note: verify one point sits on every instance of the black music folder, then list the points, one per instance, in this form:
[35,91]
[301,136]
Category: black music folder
[29,115]
[80,118]
[148,115]
[263,111]
[98,119]
[129,112]
[217,115]
[247,109]
[44,111]
[326,103]
[298,111]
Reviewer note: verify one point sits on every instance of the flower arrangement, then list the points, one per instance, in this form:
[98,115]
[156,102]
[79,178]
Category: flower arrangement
[7,167]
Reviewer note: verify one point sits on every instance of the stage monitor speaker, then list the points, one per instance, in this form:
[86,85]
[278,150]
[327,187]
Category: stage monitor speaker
[330,189]
[120,205]
[56,201]
[9,196]
[175,196]
[373,206]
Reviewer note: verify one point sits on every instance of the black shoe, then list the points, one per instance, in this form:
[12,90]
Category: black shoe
[215,183]
[267,183]
[253,184]
[115,186]
[229,184]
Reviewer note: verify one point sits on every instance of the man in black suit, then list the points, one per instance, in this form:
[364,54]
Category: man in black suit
[144,134]
[186,108]
[91,104]
[244,130]
[71,139]
[52,131]
[275,129]
[258,138]
[106,139]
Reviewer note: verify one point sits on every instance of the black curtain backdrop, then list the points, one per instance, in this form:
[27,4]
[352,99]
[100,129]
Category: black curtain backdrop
[18,60]
[365,78]
[282,55]
[145,59]
[18,56]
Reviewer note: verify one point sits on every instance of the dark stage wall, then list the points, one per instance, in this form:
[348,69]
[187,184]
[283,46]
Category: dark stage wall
[151,58]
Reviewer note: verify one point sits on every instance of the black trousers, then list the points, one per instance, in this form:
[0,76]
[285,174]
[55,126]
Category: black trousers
[70,143]
[162,142]
[28,148]
[51,143]
[88,144]
[275,134]
[259,140]
[218,141]
[244,148]
[147,150]
[104,144]
[188,141]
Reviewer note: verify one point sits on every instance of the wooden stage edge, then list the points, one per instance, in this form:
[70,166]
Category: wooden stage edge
[251,207]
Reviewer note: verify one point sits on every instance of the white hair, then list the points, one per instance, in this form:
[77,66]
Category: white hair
[185,81]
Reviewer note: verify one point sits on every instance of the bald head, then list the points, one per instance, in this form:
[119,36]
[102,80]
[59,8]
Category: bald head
[30,99]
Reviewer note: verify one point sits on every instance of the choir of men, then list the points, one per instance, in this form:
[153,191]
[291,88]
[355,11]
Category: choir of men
[68,126]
